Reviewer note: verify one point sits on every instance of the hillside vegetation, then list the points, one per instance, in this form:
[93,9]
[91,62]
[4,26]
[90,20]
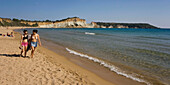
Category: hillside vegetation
[125,25]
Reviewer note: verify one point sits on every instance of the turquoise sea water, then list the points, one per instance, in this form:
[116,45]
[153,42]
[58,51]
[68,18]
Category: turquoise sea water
[143,54]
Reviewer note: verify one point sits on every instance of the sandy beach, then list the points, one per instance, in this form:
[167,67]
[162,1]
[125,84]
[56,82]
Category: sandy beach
[43,69]
[84,42]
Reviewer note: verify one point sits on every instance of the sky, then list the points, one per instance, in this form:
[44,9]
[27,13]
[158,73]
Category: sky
[155,12]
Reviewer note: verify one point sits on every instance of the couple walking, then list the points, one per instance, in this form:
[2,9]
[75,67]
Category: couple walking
[28,42]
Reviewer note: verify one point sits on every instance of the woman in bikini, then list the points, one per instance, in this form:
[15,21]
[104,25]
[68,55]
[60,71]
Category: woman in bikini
[24,42]
[34,38]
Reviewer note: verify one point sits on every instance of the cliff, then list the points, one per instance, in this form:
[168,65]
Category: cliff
[67,23]
[15,22]
[73,22]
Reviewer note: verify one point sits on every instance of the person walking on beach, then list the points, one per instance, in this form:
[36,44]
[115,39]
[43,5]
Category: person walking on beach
[34,38]
[24,43]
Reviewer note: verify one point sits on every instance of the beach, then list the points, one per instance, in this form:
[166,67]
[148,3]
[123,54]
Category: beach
[43,69]
[83,42]
[121,56]
[56,63]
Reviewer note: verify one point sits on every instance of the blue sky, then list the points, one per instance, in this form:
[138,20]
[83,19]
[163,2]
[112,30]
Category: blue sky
[156,12]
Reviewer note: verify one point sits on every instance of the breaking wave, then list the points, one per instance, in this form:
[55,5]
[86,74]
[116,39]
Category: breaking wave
[111,67]
[89,33]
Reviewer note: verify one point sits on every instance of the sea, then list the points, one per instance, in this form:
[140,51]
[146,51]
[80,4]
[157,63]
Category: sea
[142,55]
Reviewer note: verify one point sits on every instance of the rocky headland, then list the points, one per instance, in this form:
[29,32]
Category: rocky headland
[73,22]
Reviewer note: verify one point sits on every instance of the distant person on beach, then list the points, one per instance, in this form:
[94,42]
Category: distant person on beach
[12,34]
[34,38]
[8,34]
[2,34]
[24,43]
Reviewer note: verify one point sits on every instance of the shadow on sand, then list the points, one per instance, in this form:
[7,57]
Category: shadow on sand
[12,55]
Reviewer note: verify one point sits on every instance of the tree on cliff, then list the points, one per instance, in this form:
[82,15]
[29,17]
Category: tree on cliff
[47,20]
[14,19]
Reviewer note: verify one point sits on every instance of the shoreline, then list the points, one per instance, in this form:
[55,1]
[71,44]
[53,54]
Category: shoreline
[49,59]
[93,77]
[91,66]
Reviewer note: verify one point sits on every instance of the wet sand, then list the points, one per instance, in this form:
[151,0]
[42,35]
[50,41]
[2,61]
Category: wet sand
[46,68]
[99,70]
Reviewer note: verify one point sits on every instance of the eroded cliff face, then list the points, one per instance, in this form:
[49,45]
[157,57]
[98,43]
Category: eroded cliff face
[5,19]
[39,23]
[4,22]
[67,23]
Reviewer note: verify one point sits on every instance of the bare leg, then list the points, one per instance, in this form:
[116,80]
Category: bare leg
[32,52]
[22,51]
[25,51]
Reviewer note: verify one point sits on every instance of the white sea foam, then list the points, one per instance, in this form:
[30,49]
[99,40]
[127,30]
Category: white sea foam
[88,33]
[111,67]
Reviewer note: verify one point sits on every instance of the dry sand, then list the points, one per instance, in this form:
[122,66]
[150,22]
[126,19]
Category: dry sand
[46,68]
